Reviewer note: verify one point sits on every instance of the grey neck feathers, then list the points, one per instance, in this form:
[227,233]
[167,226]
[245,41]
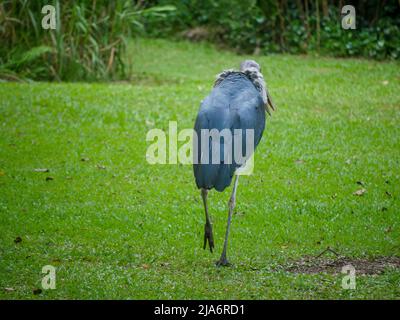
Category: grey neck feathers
[252,74]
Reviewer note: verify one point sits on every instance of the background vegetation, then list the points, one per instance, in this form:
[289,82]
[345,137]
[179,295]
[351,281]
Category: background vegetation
[301,26]
[88,44]
[116,227]
[77,193]
[90,40]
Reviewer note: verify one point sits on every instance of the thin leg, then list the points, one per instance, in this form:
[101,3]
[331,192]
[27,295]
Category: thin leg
[223,261]
[208,233]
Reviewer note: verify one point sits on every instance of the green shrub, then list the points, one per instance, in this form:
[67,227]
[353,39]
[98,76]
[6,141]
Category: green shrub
[87,44]
[301,26]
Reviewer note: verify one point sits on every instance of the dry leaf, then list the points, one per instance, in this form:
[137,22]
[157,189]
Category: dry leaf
[41,170]
[360,192]
[385,82]
[9,289]
[145,266]
[37,291]
[18,240]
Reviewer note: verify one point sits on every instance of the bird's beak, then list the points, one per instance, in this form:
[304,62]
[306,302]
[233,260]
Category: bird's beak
[269,104]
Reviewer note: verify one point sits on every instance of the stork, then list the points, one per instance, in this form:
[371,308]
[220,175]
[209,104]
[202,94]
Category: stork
[238,100]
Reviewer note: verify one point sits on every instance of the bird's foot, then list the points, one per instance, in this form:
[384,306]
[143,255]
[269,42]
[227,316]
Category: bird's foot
[208,236]
[223,262]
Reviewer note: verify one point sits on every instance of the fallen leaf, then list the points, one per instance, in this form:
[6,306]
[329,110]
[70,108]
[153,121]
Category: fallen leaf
[360,192]
[18,240]
[385,82]
[41,170]
[9,289]
[37,291]
[145,266]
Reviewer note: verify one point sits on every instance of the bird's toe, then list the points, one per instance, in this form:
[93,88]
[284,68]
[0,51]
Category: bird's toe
[223,262]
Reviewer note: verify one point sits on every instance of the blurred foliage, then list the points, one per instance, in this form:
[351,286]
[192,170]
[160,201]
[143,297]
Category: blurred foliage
[90,38]
[87,44]
[117,227]
[301,26]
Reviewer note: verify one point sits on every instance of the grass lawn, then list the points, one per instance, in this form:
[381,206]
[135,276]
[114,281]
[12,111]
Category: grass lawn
[115,226]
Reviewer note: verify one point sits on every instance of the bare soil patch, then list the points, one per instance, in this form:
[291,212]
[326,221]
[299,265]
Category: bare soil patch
[311,265]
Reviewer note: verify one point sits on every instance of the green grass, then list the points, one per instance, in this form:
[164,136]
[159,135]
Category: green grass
[133,230]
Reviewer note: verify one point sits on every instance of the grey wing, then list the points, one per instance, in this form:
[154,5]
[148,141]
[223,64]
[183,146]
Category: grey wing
[214,114]
[245,112]
[250,119]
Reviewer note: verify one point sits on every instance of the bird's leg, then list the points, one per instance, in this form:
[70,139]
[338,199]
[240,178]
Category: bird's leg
[208,233]
[223,261]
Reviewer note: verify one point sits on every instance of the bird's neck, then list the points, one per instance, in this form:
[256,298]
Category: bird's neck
[257,79]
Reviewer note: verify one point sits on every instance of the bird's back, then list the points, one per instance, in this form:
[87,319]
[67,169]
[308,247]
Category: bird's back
[234,103]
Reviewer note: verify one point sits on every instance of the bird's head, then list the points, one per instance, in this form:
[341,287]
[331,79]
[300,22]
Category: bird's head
[251,67]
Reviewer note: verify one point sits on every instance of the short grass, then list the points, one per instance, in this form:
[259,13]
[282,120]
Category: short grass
[116,227]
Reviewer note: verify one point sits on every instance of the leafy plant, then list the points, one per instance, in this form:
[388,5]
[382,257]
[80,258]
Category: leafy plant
[88,43]
[301,26]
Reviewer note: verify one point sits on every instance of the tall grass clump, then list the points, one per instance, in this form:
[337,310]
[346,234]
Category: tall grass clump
[87,44]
